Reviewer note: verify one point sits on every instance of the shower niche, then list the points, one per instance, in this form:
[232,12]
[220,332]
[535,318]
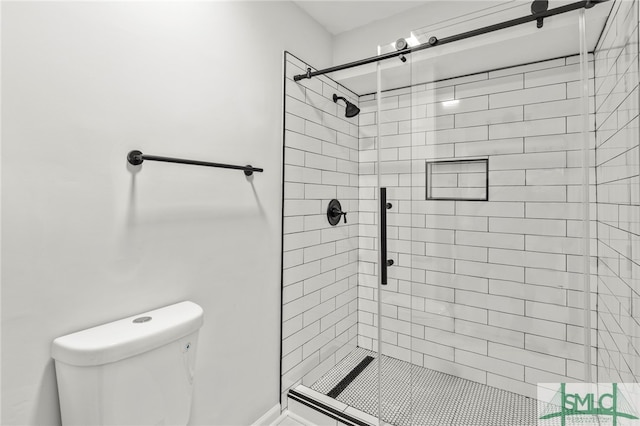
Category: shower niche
[459,180]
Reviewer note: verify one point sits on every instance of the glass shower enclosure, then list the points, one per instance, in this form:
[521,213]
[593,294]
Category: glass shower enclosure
[467,273]
[488,203]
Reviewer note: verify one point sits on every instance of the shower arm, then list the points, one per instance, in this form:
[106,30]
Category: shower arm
[433,41]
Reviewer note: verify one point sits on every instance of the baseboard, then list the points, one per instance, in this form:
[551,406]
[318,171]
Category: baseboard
[280,418]
[269,417]
[294,416]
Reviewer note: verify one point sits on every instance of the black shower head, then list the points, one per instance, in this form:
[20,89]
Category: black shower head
[351,110]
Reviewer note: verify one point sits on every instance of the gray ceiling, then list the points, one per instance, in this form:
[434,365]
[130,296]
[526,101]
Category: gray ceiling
[340,16]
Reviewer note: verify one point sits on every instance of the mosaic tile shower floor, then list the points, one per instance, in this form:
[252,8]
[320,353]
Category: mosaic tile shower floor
[413,395]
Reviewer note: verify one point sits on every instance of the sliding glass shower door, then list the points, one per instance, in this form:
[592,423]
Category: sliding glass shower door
[396,176]
[484,153]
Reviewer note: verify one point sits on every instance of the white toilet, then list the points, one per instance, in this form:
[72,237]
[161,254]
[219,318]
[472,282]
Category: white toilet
[135,371]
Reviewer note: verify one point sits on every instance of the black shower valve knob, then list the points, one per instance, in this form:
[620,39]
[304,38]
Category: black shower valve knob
[334,212]
[337,213]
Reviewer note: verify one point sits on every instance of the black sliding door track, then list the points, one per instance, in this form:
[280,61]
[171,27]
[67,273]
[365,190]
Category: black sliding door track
[433,41]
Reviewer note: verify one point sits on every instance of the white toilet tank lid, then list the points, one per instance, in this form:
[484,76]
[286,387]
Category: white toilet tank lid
[127,337]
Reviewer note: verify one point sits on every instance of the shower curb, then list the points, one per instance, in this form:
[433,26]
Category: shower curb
[324,408]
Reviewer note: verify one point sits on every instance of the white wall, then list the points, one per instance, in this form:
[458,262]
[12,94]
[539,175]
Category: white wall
[88,241]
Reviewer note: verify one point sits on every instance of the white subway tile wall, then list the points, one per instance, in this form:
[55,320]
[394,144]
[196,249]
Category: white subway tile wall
[481,289]
[618,194]
[319,309]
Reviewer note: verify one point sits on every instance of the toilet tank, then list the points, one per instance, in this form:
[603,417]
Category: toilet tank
[135,371]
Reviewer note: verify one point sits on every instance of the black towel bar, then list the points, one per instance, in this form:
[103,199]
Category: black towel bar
[136,157]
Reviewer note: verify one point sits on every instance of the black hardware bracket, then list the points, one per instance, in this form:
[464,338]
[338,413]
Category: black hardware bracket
[539,6]
[136,158]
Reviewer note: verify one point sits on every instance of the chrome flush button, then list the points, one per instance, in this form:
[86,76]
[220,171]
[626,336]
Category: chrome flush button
[141,319]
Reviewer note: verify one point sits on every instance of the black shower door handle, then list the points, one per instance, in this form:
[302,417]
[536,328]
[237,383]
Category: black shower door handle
[384,262]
